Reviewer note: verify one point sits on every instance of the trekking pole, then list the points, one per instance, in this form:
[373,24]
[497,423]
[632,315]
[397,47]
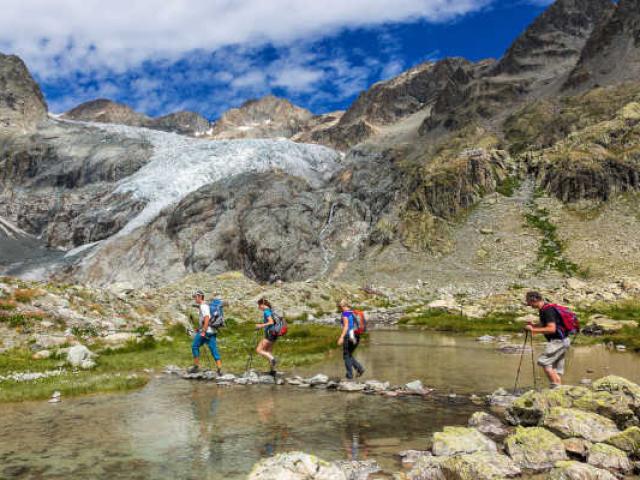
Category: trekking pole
[524,345]
[250,359]
[533,366]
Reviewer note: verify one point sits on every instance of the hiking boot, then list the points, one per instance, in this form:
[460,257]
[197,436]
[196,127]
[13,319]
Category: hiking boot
[193,369]
[360,372]
[219,372]
[273,364]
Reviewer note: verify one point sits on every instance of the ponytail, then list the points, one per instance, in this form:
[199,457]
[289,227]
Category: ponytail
[264,301]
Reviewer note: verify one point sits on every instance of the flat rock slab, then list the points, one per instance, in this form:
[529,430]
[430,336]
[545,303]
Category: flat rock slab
[571,422]
[459,440]
[579,471]
[609,457]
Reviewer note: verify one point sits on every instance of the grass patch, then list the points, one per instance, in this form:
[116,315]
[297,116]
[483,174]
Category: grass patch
[69,384]
[442,321]
[7,305]
[551,249]
[509,186]
[15,320]
[304,344]
[26,295]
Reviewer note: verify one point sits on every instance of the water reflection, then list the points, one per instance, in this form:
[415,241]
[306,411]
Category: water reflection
[178,429]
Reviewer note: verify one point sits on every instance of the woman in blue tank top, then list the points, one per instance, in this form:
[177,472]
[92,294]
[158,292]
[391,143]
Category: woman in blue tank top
[265,347]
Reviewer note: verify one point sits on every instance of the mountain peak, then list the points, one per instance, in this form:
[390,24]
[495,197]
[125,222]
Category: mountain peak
[265,117]
[103,110]
[22,104]
[555,39]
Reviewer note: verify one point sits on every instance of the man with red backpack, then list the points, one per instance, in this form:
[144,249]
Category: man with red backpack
[557,323]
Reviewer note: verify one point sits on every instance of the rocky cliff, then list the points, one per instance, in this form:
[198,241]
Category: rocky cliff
[22,105]
[612,54]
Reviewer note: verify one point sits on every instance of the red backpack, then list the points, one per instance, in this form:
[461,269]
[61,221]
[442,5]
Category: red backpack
[362,322]
[570,323]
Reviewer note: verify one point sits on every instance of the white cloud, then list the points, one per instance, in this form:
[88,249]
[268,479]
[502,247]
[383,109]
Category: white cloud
[58,36]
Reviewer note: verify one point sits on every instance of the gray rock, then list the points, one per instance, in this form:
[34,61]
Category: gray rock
[476,466]
[358,469]
[22,105]
[295,466]
[376,386]
[459,440]
[489,425]
[609,457]
[319,379]
[415,387]
[571,470]
[535,448]
[81,356]
[351,387]
[571,422]
[409,457]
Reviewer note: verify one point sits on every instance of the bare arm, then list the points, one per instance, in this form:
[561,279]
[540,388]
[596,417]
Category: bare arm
[345,329]
[205,325]
[266,325]
[549,329]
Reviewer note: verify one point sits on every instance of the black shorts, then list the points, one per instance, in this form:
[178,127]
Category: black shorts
[269,335]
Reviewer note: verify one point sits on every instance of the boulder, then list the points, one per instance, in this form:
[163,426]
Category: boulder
[81,356]
[358,469]
[629,441]
[501,399]
[416,388]
[609,457]
[535,448]
[613,405]
[479,466]
[571,470]
[577,446]
[489,425]
[614,384]
[295,466]
[599,325]
[458,440]
[529,409]
[118,338]
[571,422]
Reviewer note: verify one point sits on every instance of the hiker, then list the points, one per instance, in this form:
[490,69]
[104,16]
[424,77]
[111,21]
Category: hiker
[265,347]
[556,324]
[206,333]
[349,338]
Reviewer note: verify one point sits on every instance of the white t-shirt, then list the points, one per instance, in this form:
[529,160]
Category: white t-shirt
[203,312]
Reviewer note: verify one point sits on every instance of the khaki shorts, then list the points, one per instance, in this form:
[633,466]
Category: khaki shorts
[554,353]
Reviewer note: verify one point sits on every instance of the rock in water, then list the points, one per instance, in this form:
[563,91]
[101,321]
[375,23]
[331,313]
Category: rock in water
[358,470]
[457,440]
[535,448]
[578,471]
[489,425]
[319,379]
[476,466]
[570,422]
[295,466]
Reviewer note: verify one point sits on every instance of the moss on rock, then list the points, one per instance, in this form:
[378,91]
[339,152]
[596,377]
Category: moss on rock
[571,422]
[629,441]
[535,448]
[571,470]
[459,440]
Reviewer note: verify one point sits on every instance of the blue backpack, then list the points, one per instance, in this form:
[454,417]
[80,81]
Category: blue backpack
[217,313]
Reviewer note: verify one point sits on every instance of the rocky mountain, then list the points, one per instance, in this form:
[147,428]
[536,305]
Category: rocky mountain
[267,117]
[535,65]
[469,175]
[22,105]
[612,53]
[106,111]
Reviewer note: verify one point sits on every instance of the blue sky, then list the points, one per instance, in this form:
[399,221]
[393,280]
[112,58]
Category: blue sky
[209,56]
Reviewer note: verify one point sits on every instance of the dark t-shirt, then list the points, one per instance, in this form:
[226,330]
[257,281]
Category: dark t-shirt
[551,315]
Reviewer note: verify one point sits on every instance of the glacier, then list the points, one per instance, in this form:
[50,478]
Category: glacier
[180,165]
